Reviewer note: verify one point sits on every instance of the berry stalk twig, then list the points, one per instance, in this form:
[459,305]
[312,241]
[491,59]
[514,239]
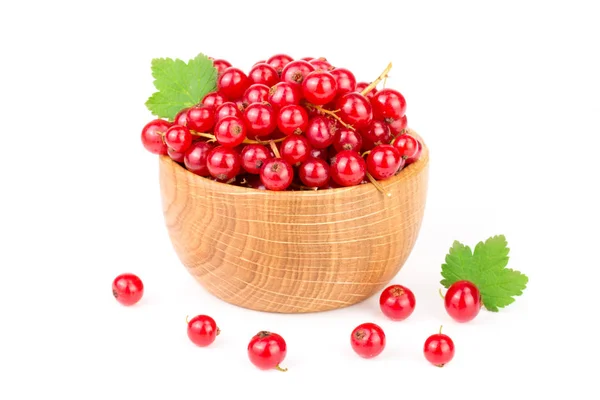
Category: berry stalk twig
[330,113]
[376,81]
[378,185]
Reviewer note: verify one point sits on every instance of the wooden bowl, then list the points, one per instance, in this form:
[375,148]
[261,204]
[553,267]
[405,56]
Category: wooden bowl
[293,251]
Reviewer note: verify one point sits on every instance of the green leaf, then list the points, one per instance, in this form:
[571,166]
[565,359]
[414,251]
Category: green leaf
[180,84]
[486,269]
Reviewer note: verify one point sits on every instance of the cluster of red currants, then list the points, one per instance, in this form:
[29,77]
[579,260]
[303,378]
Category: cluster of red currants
[267,350]
[289,125]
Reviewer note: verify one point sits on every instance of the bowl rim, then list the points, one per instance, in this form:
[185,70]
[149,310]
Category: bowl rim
[413,169]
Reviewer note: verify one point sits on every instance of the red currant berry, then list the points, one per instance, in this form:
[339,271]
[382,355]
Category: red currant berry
[374,134]
[201,118]
[283,94]
[256,93]
[196,158]
[388,103]
[181,117]
[295,71]
[462,301]
[368,340]
[175,156]
[347,139]
[417,155]
[397,125]
[233,82]
[128,289]
[346,82]
[362,86]
[348,168]
[223,163]
[254,156]
[321,64]
[439,349]
[213,99]
[314,172]
[221,65]
[230,131]
[295,149]
[292,120]
[202,330]
[227,109]
[276,174]
[406,145]
[384,161]
[355,109]
[319,87]
[264,74]
[152,136]
[278,61]
[178,138]
[321,132]
[260,120]
[397,302]
[267,350]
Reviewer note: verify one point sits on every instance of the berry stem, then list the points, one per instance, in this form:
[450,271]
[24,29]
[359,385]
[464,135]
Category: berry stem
[246,141]
[441,329]
[275,149]
[278,368]
[331,114]
[376,81]
[187,319]
[441,294]
[218,331]
[378,185]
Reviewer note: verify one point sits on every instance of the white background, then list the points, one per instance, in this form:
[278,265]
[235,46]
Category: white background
[506,96]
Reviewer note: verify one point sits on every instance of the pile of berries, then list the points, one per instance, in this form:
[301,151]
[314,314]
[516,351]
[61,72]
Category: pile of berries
[289,125]
[267,350]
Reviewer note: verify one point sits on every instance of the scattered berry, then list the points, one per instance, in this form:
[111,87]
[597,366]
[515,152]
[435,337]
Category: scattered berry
[202,330]
[153,136]
[128,289]
[397,302]
[253,157]
[223,163]
[276,174]
[384,161]
[406,145]
[178,138]
[319,87]
[232,83]
[388,103]
[368,340]
[314,172]
[201,118]
[264,74]
[267,350]
[196,158]
[462,301]
[348,168]
[439,349]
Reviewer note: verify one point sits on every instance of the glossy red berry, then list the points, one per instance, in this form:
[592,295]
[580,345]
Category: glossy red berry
[233,82]
[276,174]
[439,349]
[292,119]
[176,156]
[128,289]
[295,149]
[417,155]
[355,109]
[227,109]
[321,132]
[264,74]
[295,72]
[346,82]
[253,157]
[388,103]
[196,158]
[462,301]
[181,117]
[278,61]
[397,302]
[347,139]
[283,94]
[319,87]
[321,64]
[348,168]
[314,172]
[178,138]
[256,93]
[223,163]
[376,133]
[201,118]
[397,126]
[406,145]
[221,65]
[260,120]
[384,161]
[202,330]
[368,340]
[267,350]
[362,86]
[152,136]
[213,99]
[230,131]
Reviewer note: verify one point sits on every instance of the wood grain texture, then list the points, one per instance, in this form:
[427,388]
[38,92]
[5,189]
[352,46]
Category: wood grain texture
[293,252]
